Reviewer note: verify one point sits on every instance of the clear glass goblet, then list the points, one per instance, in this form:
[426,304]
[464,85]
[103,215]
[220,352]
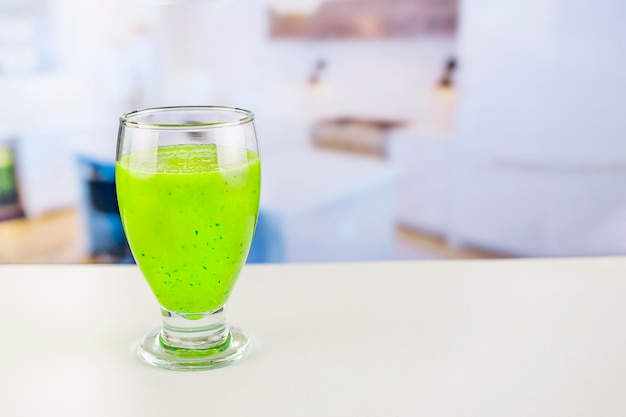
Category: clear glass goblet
[188,186]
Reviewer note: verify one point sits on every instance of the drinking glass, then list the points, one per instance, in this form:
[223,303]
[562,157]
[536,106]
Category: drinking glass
[188,185]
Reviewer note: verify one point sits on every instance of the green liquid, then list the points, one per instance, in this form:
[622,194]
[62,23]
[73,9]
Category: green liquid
[189,214]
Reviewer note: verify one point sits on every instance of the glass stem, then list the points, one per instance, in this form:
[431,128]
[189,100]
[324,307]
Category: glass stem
[196,331]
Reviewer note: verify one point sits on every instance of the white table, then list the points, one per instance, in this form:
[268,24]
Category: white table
[479,338]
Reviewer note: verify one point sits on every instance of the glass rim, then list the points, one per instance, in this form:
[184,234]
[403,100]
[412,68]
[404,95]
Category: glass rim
[126,119]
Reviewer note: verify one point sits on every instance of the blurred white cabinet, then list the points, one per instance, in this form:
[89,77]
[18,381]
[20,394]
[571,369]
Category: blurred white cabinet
[325,206]
[519,207]
[540,208]
[424,160]
[540,157]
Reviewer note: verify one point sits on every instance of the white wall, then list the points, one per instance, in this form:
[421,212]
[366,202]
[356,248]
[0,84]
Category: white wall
[392,79]
[384,78]
[220,52]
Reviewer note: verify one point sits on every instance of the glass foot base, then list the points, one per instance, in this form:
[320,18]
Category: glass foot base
[152,350]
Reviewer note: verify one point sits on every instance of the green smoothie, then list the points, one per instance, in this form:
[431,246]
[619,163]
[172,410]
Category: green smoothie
[189,213]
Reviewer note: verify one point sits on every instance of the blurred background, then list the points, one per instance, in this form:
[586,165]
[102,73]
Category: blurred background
[389,129]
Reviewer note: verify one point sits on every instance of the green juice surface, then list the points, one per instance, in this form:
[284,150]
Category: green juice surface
[189,214]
